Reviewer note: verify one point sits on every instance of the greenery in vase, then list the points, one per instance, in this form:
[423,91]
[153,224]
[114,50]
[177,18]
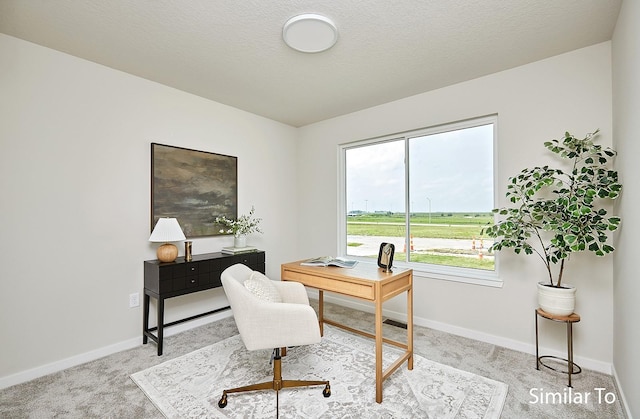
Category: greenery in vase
[245,224]
[556,212]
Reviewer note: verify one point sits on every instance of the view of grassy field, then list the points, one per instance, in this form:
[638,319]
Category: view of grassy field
[443,227]
[440,225]
[457,218]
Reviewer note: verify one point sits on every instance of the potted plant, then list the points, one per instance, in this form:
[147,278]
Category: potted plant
[245,224]
[558,211]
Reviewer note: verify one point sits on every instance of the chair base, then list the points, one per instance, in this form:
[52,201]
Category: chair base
[276,384]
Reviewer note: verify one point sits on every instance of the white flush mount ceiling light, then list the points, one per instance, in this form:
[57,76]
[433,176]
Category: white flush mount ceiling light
[310,33]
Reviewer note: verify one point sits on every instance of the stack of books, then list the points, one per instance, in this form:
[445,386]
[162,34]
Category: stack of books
[235,250]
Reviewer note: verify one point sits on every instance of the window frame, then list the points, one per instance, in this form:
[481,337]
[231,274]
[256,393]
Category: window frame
[442,272]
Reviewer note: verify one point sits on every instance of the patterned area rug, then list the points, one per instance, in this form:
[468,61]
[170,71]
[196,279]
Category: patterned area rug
[190,386]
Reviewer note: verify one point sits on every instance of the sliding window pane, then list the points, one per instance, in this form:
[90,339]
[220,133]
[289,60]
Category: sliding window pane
[451,197]
[375,197]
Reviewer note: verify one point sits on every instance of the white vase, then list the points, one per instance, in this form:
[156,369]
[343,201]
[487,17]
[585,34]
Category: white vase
[240,240]
[558,301]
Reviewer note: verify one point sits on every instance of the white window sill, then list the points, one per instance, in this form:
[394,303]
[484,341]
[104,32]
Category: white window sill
[479,279]
[445,273]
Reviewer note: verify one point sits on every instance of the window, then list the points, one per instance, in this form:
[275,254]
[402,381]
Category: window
[429,191]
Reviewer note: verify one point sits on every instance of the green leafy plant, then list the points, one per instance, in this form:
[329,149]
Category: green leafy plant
[245,224]
[559,212]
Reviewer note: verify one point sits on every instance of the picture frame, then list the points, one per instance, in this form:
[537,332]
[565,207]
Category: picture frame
[194,187]
[385,256]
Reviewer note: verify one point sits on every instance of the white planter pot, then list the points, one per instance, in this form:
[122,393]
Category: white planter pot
[558,301]
[240,240]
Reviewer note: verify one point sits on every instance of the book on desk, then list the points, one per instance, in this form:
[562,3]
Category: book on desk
[330,261]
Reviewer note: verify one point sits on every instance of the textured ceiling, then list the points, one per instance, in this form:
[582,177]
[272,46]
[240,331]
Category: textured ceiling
[232,51]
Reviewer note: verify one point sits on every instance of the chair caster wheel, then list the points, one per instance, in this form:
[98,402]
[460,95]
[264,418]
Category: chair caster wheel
[223,402]
[327,391]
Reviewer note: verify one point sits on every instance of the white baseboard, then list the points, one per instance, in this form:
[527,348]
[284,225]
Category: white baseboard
[31,374]
[63,364]
[529,348]
[623,399]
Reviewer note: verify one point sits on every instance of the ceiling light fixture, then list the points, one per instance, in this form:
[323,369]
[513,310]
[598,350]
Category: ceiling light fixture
[310,33]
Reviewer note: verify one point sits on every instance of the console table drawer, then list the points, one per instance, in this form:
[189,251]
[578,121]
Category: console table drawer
[252,260]
[189,268]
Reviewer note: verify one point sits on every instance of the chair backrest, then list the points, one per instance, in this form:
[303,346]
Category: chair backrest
[263,324]
[238,273]
[240,298]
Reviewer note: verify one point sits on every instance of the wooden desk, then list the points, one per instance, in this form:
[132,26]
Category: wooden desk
[366,282]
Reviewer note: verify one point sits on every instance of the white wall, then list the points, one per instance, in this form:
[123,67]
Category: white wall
[626,103]
[75,198]
[534,103]
[74,177]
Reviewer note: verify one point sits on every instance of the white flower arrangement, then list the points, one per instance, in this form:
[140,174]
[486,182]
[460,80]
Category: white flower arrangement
[245,224]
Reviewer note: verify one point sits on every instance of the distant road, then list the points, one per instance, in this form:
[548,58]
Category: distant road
[370,245]
[413,224]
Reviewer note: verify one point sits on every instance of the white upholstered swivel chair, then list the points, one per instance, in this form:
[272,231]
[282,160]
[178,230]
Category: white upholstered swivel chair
[272,315]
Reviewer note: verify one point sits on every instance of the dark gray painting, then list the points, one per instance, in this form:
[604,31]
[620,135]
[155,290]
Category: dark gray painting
[193,186]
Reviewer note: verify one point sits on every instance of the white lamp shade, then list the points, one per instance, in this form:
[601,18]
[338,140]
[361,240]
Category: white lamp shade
[167,230]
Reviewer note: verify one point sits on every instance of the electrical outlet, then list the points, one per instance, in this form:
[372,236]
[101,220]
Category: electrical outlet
[134,300]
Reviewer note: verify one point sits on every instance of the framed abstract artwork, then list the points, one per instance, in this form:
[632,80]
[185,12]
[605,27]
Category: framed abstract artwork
[193,186]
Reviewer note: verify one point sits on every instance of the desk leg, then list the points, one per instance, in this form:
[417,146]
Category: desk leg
[379,374]
[145,318]
[410,327]
[321,311]
[160,324]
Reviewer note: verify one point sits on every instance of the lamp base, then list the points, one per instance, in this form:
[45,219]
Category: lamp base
[167,252]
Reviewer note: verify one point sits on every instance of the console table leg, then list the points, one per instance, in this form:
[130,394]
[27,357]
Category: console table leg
[145,319]
[160,324]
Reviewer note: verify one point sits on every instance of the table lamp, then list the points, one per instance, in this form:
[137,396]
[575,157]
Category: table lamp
[167,230]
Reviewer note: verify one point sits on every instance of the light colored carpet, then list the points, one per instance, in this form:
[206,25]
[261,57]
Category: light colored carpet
[191,385]
[103,388]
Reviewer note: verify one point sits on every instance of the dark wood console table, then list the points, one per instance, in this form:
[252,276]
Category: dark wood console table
[167,280]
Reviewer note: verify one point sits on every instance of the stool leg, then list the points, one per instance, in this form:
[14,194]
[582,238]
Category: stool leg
[570,349]
[537,357]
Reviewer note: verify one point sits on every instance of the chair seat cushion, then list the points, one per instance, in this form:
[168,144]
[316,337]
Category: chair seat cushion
[262,287]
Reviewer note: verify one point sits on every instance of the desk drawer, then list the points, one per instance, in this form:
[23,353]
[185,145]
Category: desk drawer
[353,289]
